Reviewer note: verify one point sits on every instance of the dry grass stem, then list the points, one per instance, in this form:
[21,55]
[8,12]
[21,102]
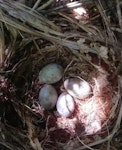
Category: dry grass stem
[45,5]
[36,4]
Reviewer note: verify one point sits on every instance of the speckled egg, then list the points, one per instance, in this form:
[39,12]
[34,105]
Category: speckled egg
[48,97]
[65,104]
[77,87]
[51,73]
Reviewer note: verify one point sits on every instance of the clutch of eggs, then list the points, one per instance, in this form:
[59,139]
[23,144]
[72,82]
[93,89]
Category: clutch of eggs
[77,87]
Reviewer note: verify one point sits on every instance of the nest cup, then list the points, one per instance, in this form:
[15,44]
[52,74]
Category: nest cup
[93,112]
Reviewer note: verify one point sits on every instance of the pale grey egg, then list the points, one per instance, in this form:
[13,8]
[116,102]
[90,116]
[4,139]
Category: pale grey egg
[65,105]
[77,87]
[48,97]
[51,73]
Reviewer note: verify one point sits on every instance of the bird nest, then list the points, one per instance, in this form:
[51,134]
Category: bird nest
[86,45]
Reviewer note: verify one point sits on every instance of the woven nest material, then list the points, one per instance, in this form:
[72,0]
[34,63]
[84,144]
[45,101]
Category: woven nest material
[87,45]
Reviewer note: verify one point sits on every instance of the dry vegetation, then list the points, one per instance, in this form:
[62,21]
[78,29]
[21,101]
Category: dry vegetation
[35,33]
